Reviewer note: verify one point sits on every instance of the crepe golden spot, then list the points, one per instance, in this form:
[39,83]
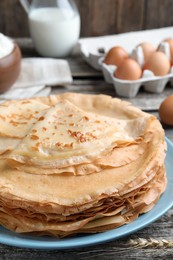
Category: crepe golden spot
[34,137]
[41,118]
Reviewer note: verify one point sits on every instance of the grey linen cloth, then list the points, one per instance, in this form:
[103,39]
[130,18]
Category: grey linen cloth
[37,76]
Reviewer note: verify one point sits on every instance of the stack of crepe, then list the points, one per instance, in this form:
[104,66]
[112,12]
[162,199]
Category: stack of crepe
[77,163]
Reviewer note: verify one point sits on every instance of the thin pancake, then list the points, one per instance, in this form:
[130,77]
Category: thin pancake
[67,135]
[16,118]
[77,190]
[98,223]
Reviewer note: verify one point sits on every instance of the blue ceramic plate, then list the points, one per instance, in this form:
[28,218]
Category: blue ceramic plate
[165,203]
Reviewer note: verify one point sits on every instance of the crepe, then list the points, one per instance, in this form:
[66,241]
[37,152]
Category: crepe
[104,219]
[113,171]
[58,141]
[16,118]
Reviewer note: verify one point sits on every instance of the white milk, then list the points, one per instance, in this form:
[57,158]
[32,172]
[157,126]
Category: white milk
[54,31]
[6,45]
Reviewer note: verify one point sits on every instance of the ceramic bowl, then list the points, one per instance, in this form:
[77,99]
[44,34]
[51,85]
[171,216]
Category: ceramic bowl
[10,66]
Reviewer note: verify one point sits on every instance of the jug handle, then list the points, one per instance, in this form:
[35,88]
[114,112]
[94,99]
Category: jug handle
[26,5]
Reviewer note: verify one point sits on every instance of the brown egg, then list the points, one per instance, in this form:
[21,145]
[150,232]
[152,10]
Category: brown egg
[148,49]
[166,111]
[115,56]
[158,63]
[129,69]
[170,41]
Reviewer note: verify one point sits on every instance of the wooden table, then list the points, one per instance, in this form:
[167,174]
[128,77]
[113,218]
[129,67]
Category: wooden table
[152,242]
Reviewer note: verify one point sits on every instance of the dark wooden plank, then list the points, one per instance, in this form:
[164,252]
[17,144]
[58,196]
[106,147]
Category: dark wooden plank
[158,13]
[150,101]
[13,19]
[26,46]
[97,17]
[79,68]
[130,15]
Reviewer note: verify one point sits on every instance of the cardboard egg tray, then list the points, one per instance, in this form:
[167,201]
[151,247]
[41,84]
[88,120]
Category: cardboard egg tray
[130,88]
[91,49]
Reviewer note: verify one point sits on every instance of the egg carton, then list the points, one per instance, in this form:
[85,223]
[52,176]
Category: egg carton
[130,88]
[92,48]
[150,82]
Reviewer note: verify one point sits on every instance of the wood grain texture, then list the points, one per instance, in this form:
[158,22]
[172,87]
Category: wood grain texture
[13,19]
[130,15]
[98,17]
[158,13]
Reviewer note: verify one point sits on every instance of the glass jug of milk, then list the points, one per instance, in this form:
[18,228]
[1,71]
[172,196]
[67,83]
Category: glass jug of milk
[54,26]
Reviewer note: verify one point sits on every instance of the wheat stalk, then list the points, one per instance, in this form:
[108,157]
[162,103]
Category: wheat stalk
[151,242]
